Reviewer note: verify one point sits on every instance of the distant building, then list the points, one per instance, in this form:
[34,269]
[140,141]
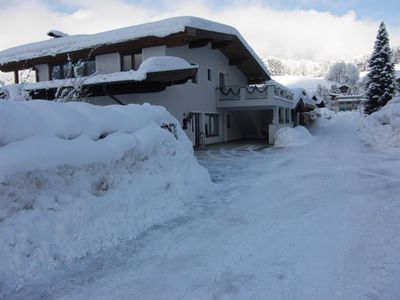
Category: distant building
[318,102]
[304,105]
[348,102]
[344,89]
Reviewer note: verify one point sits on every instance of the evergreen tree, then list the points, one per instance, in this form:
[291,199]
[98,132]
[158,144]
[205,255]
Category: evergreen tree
[381,80]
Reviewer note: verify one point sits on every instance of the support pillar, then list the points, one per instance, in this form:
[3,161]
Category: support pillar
[275,119]
[16,77]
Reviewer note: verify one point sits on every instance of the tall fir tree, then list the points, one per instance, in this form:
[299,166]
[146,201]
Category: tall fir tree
[381,79]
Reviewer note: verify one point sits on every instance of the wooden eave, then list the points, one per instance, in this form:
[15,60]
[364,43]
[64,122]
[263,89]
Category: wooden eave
[229,44]
[300,107]
[155,82]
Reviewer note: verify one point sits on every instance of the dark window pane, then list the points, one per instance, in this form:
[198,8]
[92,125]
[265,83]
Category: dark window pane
[209,75]
[126,63]
[212,124]
[55,72]
[67,71]
[221,80]
[195,79]
[90,67]
[137,60]
[79,68]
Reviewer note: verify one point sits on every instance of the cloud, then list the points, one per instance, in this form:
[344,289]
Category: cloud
[295,34]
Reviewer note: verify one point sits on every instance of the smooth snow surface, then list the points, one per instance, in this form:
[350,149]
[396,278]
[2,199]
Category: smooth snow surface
[309,83]
[319,221]
[76,179]
[291,137]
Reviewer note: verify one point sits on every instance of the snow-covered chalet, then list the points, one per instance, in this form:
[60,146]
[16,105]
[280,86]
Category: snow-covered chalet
[203,72]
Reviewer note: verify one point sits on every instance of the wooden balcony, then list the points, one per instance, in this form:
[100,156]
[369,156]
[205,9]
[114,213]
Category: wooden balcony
[254,97]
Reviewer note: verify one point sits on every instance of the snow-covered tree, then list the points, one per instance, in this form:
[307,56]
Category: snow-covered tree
[337,72]
[275,66]
[322,91]
[362,62]
[334,89]
[396,55]
[381,80]
[343,73]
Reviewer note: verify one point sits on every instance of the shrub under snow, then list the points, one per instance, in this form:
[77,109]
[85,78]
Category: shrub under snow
[381,129]
[290,137]
[77,178]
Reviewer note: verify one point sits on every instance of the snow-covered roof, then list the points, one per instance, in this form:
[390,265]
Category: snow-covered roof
[150,65]
[163,28]
[317,99]
[301,94]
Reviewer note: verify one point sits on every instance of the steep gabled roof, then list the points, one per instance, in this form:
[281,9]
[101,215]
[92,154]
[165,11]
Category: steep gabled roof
[195,32]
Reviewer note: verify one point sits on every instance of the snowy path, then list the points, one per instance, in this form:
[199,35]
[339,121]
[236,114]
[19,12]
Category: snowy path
[314,222]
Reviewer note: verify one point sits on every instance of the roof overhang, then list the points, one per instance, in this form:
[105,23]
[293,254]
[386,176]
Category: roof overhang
[234,48]
[154,82]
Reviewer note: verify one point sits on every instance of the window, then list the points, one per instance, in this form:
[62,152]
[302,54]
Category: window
[126,62]
[131,61]
[221,80]
[228,121]
[85,68]
[55,72]
[90,67]
[209,75]
[195,79]
[212,125]
[137,60]
[66,70]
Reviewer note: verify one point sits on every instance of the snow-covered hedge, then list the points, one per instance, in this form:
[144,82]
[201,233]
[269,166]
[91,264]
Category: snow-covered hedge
[290,137]
[381,130]
[77,178]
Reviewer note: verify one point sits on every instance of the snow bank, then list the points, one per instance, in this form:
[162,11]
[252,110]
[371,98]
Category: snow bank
[381,129]
[77,178]
[291,137]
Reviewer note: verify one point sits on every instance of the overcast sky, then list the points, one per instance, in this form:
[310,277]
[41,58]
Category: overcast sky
[296,29]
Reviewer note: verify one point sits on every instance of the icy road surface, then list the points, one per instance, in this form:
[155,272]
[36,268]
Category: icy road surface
[320,221]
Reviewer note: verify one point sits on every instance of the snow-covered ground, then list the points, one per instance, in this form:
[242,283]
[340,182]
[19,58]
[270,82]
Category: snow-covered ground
[76,179]
[317,221]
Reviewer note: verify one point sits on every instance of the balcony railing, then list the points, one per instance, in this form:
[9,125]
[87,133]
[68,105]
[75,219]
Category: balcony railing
[265,92]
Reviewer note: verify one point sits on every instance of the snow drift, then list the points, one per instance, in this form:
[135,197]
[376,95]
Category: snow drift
[291,137]
[77,178]
[381,130]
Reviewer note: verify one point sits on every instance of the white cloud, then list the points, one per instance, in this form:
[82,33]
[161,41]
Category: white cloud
[292,34]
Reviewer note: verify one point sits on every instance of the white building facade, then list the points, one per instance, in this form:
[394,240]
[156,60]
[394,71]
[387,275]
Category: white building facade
[230,97]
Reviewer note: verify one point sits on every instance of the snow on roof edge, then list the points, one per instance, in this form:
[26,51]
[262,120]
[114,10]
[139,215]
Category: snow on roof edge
[160,28]
[150,65]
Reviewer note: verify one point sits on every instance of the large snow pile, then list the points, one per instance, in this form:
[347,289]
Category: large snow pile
[291,137]
[77,178]
[381,129]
